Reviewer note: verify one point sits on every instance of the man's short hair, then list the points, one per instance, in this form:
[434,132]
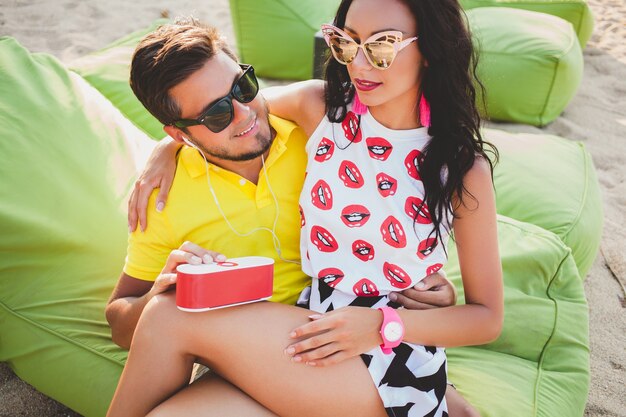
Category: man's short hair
[166,57]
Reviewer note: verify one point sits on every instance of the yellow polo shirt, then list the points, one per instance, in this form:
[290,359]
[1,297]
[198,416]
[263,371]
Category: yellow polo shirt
[192,215]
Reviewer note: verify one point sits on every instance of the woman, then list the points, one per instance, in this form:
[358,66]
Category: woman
[399,130]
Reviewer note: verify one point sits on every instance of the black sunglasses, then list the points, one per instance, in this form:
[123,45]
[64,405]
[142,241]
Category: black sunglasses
[219,114]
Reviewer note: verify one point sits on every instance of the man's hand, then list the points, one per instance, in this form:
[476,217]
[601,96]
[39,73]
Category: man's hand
[432,292]
[187,253]
[131,295]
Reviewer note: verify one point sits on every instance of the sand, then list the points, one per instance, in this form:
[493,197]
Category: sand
[69,29]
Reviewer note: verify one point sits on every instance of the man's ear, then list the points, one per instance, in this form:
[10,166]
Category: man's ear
[175,133]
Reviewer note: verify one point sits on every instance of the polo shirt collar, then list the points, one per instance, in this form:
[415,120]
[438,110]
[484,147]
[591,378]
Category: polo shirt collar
[194,162]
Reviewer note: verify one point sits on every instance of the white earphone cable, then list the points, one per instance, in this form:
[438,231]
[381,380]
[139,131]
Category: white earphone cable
[275,240]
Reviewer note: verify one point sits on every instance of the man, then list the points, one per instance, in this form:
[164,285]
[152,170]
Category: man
[236,186]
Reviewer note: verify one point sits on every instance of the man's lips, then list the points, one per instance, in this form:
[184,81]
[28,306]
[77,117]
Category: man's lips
[248,130]
[366,85]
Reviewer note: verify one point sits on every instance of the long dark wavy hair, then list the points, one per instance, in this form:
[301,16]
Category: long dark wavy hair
[449,84]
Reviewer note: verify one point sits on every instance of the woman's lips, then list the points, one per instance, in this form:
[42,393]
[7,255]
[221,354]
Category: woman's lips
[365,85]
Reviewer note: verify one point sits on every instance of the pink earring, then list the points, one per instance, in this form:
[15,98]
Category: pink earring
[358,107]
[424,112]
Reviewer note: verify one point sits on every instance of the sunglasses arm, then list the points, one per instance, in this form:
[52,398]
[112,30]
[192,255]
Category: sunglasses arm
[401,45]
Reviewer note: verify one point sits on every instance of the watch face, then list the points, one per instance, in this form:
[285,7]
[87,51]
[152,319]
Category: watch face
[393,331]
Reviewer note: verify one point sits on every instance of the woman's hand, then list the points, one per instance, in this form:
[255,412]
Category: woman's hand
[187,253]
[434,291]
[336,336]
[158,173]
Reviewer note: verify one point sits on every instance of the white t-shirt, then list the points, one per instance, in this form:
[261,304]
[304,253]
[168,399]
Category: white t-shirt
[365,228]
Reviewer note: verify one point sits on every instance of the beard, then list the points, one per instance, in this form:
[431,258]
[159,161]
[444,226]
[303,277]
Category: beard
[263,140]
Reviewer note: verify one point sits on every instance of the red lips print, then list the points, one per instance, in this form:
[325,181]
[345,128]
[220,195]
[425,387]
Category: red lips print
[365,288]
[323,240]
[396,275]
[379,148]
[426,247]
[321,196]
[433,268]
[355,215]
[417,210]
[387,185]
[363,250]
[412,163]
[350,175]
[351,128]
[331,276]
[325,150]
[393,233]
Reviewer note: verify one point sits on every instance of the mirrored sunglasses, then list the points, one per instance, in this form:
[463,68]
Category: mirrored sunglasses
[380,49]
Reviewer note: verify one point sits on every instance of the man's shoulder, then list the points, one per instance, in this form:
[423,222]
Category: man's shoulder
[189,164]
[286,129]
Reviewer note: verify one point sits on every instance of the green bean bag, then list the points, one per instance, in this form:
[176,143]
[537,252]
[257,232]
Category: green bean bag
[68,159]
[577,12]
[530,63]
[108,70]
[539,366]
[276,36]
[550,182]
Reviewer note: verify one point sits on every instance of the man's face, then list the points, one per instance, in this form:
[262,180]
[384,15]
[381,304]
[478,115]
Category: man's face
[247,137]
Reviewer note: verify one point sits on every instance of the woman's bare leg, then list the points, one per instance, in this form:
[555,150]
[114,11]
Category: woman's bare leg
[211,396]
[244,345]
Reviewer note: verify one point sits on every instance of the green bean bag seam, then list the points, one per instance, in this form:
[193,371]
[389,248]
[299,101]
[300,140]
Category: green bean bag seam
[235,17]
[547,235]
[57,334]
[585,192]
[563,53]
[540,381]
[292,11]
[547,344]
[542,114]
[553,82]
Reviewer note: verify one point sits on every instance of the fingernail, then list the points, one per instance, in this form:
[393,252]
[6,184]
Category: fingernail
[297,359]
[130,229]
[196,259]
[420,285]
[220,258]
[393,296]
[292,334]
[160,206]
[315,316]
[311,363]
[290,350]
[207,259]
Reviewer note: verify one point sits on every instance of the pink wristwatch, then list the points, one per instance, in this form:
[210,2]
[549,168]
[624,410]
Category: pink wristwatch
[392,329]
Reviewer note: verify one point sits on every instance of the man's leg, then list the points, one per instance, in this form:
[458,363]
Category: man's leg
[458,406]
[211,396]
[245,346]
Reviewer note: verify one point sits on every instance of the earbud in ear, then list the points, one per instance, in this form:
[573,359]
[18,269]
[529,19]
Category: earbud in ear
[188,142]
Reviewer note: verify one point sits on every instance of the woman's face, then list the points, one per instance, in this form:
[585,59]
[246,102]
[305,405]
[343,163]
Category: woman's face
[400,82]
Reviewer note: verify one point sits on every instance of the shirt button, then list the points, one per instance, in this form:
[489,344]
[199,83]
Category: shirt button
[242,182]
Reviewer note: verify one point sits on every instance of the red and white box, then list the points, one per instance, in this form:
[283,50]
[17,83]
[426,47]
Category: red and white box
[224,284]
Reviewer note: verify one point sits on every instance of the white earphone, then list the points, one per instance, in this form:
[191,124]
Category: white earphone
[272,231]
[188,142]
